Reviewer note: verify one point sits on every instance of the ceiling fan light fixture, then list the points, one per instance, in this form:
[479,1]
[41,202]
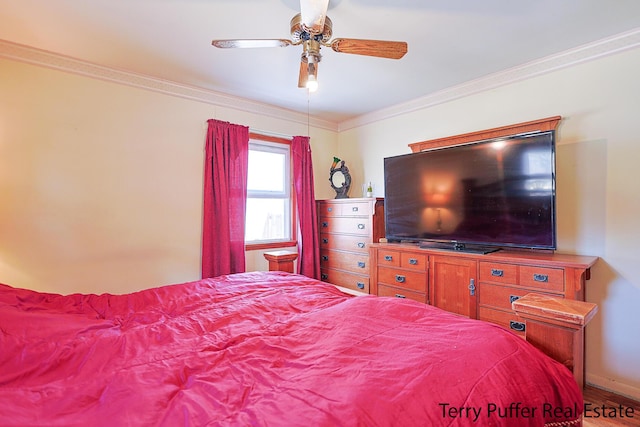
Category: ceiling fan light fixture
[312,83]
[313,14]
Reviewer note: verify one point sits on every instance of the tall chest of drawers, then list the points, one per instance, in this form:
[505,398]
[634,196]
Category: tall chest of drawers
[347,227]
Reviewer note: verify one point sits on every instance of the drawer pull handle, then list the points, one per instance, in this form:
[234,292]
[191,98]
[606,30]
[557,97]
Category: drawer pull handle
[360,285]
[400,296]
[354,209]
[517,326]
[325,224]
[325,257]
[360,245]
[361,264]
[360,226]
[540,278]
[325,241]
[329,209]
[388,258]
[497,273]
[413,261]
[400,278]
[513,298]
[324,276]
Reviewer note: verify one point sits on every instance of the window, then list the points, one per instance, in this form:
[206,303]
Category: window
[269,217]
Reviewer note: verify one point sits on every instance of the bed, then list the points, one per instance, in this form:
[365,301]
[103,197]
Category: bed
[266,349]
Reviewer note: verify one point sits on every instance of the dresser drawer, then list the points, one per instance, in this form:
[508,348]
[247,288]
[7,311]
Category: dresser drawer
[345,242]
[551,279]
[329,209]
[360,226]
[390,291]
[357,263]
[508,320]
[346,280]
[499,273]
[499,296]
[406,279]
[388,258]
[418,262]
[356,208]
[344,209]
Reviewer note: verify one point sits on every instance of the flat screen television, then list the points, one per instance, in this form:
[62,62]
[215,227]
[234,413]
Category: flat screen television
[477,197]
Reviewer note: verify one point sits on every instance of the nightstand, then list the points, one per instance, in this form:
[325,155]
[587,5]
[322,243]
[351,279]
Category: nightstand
[281,260]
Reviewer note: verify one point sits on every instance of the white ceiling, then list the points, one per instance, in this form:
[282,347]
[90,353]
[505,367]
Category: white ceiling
[450,42]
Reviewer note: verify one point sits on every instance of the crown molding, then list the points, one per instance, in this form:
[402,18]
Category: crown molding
[588,52]
[43,58]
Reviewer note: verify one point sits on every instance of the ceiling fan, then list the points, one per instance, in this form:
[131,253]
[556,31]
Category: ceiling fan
[312,29]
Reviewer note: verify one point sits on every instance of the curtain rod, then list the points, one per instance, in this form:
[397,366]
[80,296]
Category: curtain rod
[267,133]
[273,134]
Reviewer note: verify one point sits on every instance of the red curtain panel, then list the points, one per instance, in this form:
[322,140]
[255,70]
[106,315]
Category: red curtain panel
[308,245]
[225,194]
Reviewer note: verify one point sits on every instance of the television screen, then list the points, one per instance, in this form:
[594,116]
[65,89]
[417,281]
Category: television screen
[497,193]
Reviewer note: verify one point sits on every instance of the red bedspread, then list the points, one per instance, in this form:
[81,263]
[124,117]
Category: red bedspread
[268,349]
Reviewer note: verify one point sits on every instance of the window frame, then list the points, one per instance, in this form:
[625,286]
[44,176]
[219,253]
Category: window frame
[292,197]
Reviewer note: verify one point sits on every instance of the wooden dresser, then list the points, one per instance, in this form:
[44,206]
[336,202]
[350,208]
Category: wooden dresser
[347,227]
[480,286]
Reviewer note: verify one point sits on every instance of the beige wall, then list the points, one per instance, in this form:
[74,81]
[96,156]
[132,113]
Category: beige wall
[101,184]
[598,196]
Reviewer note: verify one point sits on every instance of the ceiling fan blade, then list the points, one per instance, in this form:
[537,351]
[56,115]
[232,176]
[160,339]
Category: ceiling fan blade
[379,48]
[248,43]
[313,13]
[302,76]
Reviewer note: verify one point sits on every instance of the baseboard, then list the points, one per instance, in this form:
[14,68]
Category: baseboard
[613,386]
